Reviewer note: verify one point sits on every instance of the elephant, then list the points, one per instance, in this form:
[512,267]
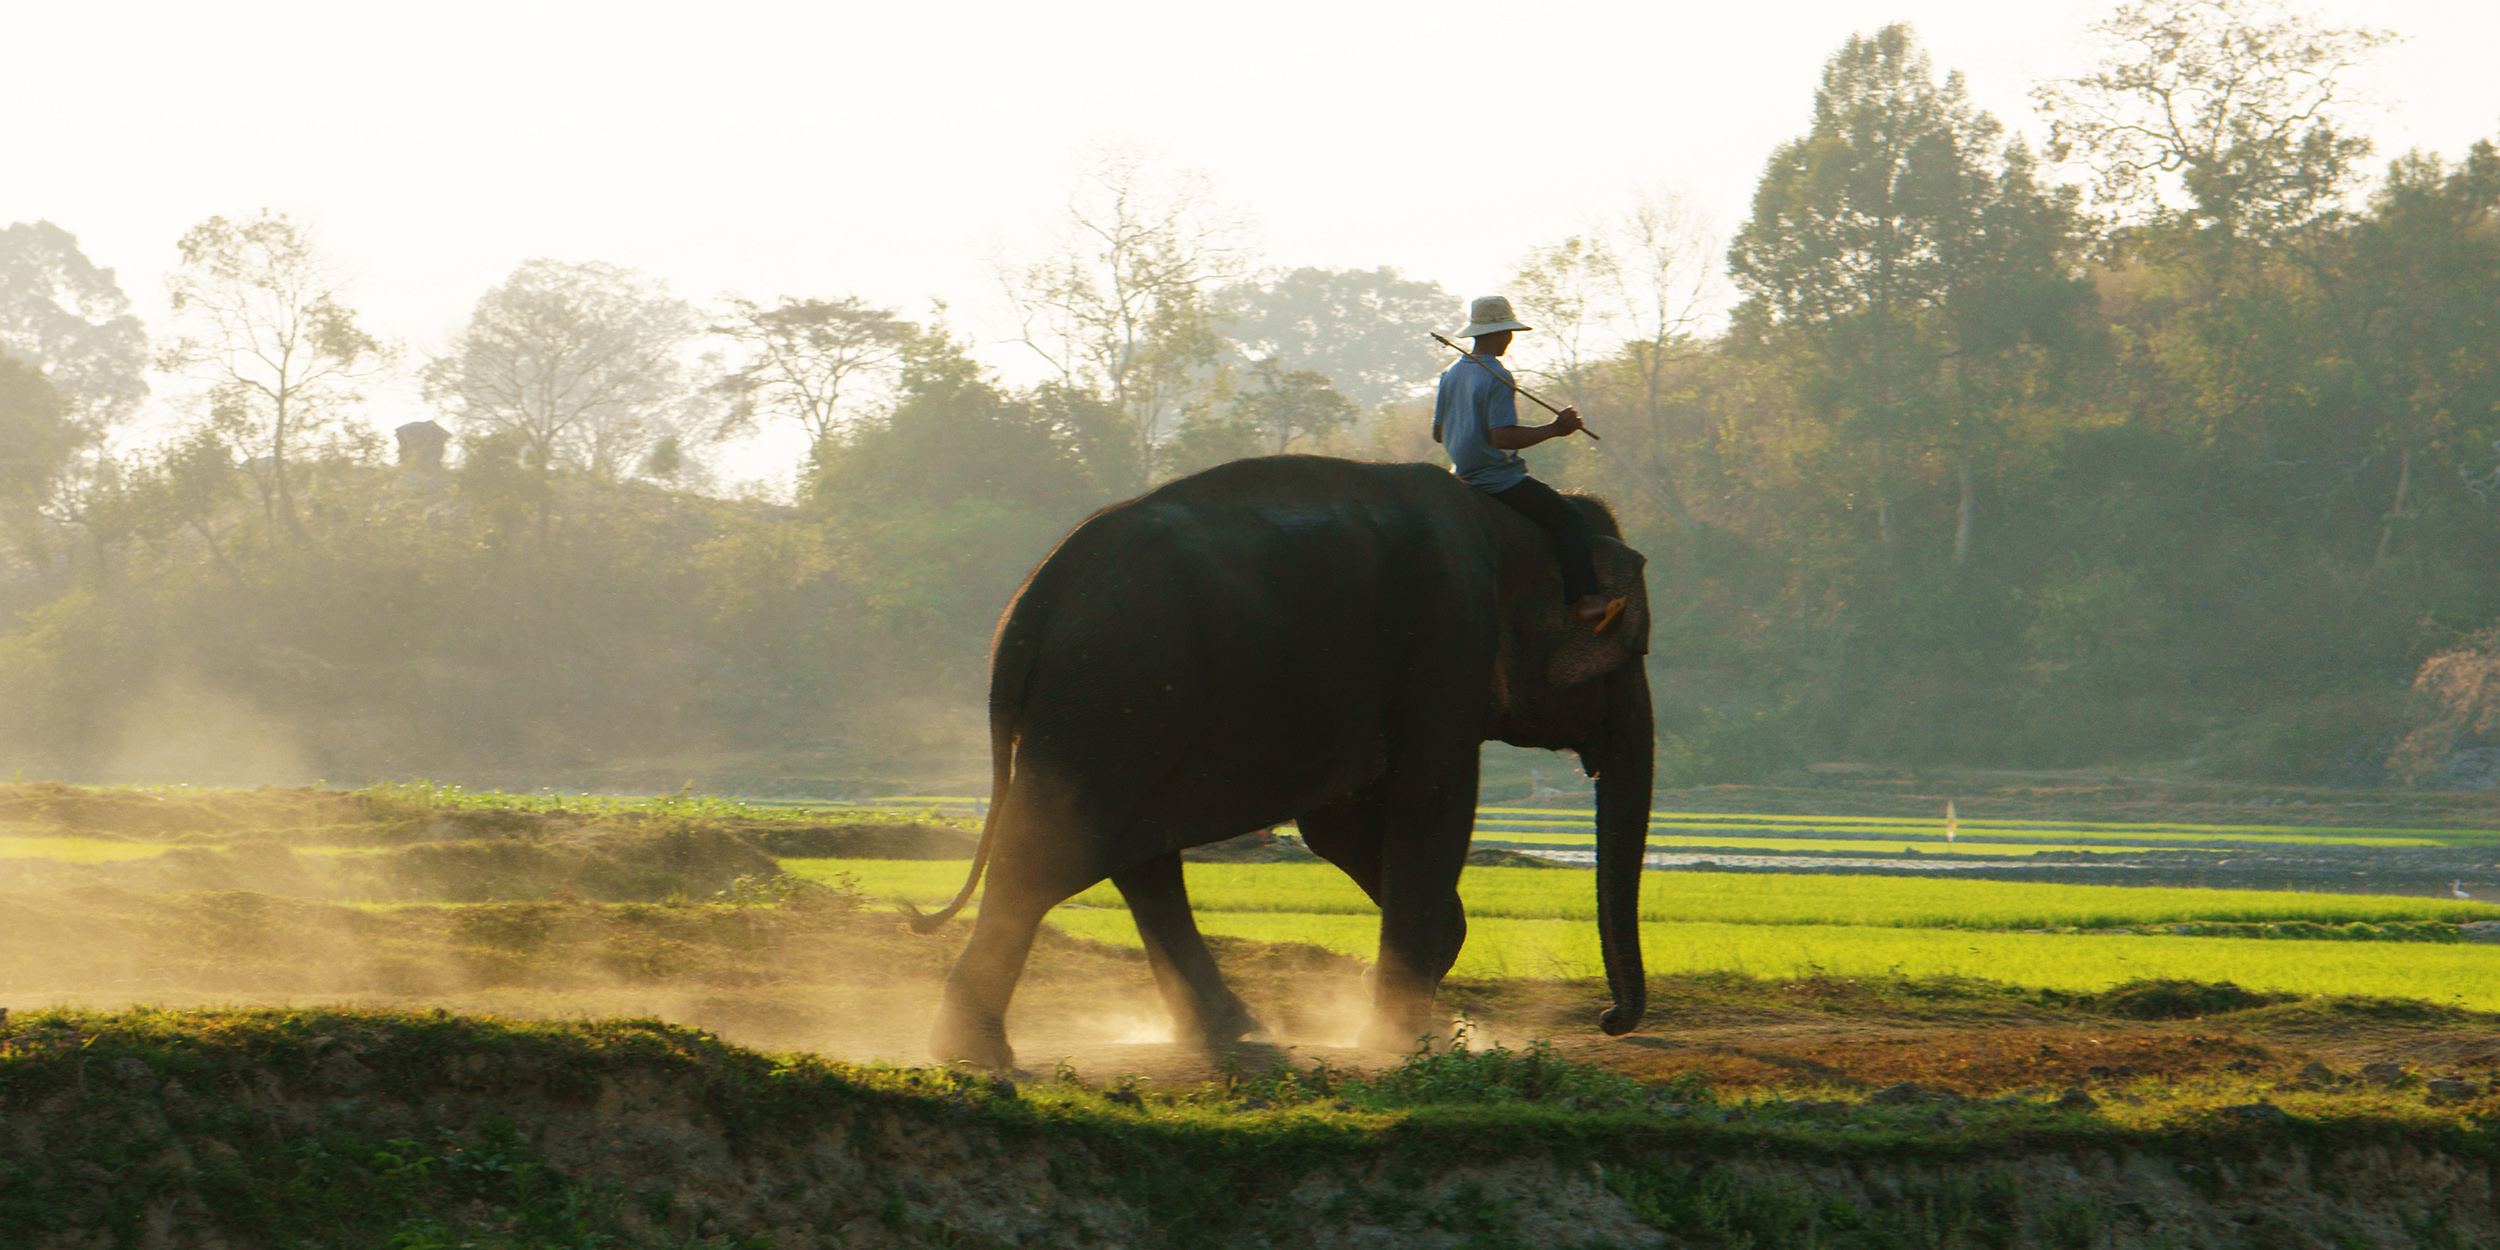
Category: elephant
[1293,638]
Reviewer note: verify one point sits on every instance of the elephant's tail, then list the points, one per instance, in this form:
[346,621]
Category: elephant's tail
[1002,771]
[1002,749]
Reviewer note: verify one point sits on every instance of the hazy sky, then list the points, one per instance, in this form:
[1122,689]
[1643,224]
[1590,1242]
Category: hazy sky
[893,150]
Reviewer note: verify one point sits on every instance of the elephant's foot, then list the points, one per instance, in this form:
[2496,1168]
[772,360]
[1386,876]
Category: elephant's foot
[1227,1028]
[962,1038]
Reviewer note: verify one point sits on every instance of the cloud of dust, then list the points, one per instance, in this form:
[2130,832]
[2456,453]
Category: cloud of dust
[186,731]
[255,899]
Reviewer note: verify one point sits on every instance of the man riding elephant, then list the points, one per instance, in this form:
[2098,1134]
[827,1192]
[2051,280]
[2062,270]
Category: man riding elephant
[1475,418]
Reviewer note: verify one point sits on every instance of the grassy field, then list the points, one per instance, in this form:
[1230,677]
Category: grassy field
[2460,976]
[1724,898]
[1534,922]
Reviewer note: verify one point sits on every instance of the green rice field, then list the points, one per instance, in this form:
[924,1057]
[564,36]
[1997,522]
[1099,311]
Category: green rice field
[1558,828]
[1722,898]
[1538,922]
[2461,975]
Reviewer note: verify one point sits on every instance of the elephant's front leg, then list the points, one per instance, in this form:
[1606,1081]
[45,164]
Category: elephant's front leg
[1431,816]
[1205,1012]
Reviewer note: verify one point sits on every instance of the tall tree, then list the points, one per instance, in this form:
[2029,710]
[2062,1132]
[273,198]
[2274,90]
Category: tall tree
[807,358]
[2220,114]
[37,437]
[1364,329]
[265,330]
[1869,239]
[1566,290]
[1615,307]
[584,362]
[67,317]
[1122,305]
[2221,132]
[2416,290]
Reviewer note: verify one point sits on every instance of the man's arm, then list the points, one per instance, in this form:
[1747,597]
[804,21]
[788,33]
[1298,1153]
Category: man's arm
[1523,437]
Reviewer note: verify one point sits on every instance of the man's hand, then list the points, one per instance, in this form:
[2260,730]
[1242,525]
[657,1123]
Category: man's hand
[1522,437]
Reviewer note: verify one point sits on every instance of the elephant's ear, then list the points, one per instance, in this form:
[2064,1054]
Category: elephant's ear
[1580,656]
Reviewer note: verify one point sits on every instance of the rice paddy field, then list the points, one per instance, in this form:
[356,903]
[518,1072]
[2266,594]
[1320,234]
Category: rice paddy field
[1536,922]
[1547,828]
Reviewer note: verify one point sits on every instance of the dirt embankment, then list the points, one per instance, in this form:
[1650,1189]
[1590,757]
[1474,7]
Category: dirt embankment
[345,1129]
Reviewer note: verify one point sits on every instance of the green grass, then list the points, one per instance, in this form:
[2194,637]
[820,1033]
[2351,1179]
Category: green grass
[1530,922]
[1724,898]
[2465,976]
[428,796]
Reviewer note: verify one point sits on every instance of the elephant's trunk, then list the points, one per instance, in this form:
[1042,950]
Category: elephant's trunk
[1623,770]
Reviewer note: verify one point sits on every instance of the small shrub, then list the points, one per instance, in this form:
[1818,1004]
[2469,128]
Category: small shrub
[2181,1000]
[780,889]
[1462,1075]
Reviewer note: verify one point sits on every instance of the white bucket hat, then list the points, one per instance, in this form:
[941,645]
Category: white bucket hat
[1488,314]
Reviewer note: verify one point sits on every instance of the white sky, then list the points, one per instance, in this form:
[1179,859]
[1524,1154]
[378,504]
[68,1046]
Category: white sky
[893,149]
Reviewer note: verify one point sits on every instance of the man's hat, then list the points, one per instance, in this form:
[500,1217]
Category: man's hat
[1488,314]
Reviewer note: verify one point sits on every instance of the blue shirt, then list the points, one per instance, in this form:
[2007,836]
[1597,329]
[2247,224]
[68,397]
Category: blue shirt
[1472,403]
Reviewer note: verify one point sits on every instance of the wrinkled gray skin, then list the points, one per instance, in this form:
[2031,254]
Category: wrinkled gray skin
[1293,639]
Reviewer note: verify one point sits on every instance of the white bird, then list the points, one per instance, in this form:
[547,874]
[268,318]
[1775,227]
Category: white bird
[2457,887]
[1951,822]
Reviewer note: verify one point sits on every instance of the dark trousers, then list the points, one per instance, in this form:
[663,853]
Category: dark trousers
[1564,526]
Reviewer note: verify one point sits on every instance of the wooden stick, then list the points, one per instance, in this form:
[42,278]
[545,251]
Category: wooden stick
[1514,386]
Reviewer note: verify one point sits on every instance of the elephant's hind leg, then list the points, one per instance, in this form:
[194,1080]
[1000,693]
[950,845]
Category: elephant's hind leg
[972,1019]
[1204,1011]
[1023,886]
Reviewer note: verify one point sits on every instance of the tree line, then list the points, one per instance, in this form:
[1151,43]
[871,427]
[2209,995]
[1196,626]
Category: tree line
[2175,437]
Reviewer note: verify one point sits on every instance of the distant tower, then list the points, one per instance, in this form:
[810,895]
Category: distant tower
[421,445]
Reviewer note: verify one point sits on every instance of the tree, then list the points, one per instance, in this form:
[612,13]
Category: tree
[1260,419]
[1563,290]
[1614,307]
[1366,330]
[1208,439]
[947,500]
[805,356]
[1122,306]
[37,437]
[1878,239]
[2221,114]
[281,356]
[66,317]
[584,362]
[1285,404]
[2416,287]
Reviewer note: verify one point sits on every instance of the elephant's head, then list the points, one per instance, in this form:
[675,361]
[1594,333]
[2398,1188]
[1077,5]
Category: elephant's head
[1559,686]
